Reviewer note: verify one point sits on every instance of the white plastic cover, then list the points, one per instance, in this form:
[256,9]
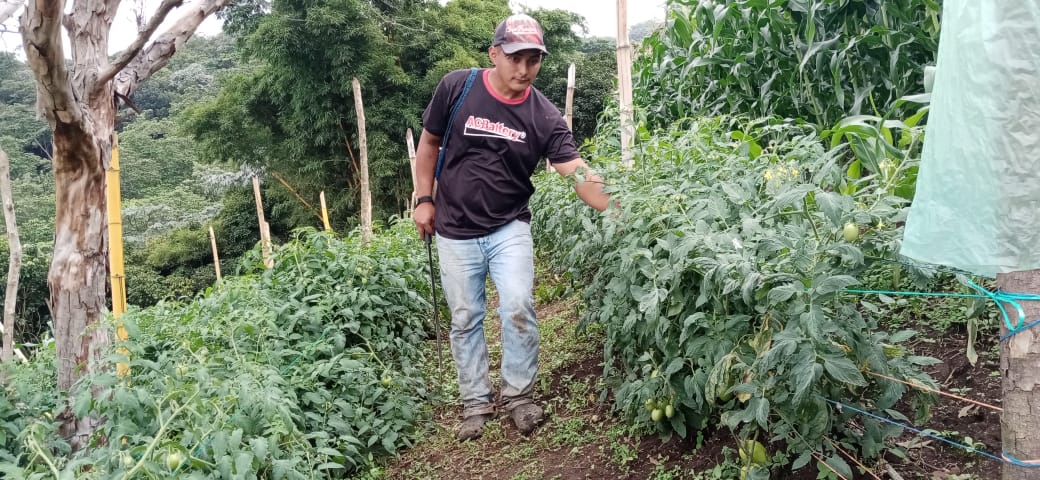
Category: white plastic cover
[977,206]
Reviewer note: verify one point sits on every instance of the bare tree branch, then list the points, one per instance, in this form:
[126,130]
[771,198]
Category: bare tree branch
[8,8]
[159,52]
[41,39]
[143,35]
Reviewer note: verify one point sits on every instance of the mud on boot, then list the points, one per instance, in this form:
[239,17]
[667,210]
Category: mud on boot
[527,417]
[472,428]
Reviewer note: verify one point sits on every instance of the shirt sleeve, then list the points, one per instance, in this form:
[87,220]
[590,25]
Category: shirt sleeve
[435,117]
[561,147]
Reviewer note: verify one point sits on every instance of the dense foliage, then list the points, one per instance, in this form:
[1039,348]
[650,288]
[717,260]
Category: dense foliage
[311,366]
[292,109]
[720,283]
[813,60]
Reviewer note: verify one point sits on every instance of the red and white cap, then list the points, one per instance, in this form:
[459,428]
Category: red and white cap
[519,32]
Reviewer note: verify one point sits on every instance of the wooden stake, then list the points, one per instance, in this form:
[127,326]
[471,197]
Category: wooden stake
[366,193]
[624,63]
[411,160]
[216,258]
[265,239]
[14,265]
[569,110]
[324,212]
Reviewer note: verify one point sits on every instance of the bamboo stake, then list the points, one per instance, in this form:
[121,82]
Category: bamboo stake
[324,212]
[117,276]
[366,193]
[216,257]
[624,61]
[265,239]
[14,265]
[411,160]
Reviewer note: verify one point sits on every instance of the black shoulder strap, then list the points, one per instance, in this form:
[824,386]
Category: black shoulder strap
[451,120]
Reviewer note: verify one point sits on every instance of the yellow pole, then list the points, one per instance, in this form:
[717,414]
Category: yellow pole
[115,248]
[324,212]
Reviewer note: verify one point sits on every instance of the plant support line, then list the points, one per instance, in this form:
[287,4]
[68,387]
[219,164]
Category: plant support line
[1004,458]
[998,297]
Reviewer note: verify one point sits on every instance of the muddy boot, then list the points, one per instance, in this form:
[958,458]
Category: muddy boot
[527,417]
[472,427]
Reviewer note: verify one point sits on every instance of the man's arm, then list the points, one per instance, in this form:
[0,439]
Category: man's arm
[590,190]
[425,164]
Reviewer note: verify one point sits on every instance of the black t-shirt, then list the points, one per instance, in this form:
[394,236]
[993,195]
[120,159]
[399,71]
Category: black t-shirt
[495,146]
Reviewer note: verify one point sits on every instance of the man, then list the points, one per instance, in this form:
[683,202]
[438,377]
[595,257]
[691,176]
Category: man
[502,129]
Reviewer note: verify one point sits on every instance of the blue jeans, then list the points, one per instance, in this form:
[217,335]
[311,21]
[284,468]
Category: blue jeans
[508,255]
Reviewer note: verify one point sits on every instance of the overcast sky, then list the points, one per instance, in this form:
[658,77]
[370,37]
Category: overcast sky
[600,15]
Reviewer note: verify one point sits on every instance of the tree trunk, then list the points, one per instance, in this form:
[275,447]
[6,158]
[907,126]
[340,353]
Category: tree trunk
[14,265]
[1020,368]
[79,269]
[78,97]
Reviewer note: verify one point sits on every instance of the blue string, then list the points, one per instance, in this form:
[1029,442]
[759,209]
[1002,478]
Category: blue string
[1007,458]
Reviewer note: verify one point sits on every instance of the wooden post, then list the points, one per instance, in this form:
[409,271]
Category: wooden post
[265,231]
[624,64]
[216,258]
[14,265]
[366,193]
[324,212]
[568,110]
[117,275]
[411,160]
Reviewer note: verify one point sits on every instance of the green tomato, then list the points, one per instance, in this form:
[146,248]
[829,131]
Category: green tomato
[758,452]
[656,415]
[669,411]
[850,232]
[387,380]
[650,405]
[174,460]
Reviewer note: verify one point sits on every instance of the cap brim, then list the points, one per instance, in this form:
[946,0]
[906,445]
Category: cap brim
[511,48]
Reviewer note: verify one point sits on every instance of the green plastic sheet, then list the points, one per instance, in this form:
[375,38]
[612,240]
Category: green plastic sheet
[977,205]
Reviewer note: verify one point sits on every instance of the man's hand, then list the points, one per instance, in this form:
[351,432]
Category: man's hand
[423,217]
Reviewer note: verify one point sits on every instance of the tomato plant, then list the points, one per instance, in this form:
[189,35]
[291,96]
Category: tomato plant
[721,281]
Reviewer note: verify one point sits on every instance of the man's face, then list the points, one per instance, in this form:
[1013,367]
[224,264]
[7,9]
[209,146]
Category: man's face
[516,70]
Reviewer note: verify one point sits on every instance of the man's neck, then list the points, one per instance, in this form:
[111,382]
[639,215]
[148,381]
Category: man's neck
[501,88]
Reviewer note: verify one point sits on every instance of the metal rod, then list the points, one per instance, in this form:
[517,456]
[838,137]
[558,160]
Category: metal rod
[433,288]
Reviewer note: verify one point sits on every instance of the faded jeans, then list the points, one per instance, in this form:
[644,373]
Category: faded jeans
[508,255]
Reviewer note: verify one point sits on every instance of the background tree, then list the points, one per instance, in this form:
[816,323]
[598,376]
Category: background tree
[79,100]
[290,110]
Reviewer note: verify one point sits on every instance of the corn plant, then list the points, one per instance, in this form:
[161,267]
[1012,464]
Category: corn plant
[814,60]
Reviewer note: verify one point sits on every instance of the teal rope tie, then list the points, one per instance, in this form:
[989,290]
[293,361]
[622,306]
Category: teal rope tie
[998,297]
